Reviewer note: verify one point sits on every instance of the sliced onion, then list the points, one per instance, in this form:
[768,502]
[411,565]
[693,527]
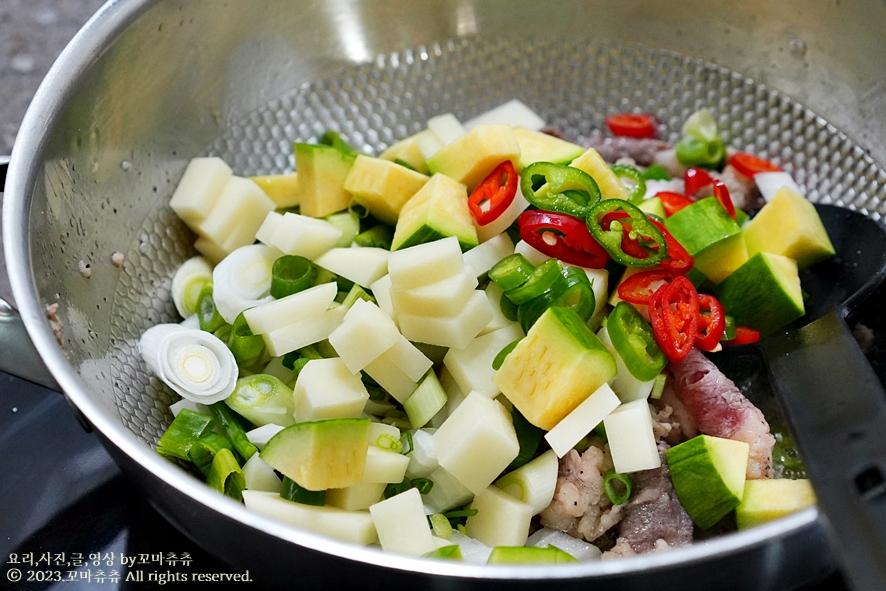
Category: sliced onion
[194,363]
[187,282]
[243,280]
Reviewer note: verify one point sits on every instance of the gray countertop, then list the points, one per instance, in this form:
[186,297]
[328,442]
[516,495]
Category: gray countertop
[32,35]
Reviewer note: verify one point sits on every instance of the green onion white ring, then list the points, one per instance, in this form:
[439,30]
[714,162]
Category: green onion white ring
[187,282]
[194,363]
[243,280]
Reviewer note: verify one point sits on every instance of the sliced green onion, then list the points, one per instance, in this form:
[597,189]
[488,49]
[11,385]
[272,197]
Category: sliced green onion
[227,420]
[658,386]
[194,363]
[389,442]
[534,482]
[423,485]
[702,125]
[356,293]
[511,272]
[632,180]
[291,274]
[245,346]
[184,431]
[292,491]
[426,401]
[395,488]
[528,436]
[460,513]
[188,282]
[692,151]
[243,280]
[323,276]
[207,313]
[225,475]
[380,236]
[333,139]
[205,449]
[349,223]
[263,399]
[440,525]
[617,487]
[407,443]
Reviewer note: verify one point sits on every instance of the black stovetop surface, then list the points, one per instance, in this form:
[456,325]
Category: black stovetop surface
[64,504]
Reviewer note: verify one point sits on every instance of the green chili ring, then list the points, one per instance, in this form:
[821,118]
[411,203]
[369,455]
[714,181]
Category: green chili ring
[636,190]
[650,239]
[559,188]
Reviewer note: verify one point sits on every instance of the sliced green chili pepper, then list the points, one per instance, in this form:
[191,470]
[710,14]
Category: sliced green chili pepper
[635,185]
[617,493]
[655,172]
[626,233]
[632,338]
[500,358]
[246,346]
[291,274]
[532,310]
[510,272]
[508,309]
[543,278]
[207,313]
[578,294]
[560,188]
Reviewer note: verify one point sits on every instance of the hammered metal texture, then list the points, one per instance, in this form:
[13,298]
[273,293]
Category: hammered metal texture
[572,84]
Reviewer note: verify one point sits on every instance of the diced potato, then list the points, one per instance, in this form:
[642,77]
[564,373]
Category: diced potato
[582,420]
[446,127]
[293,308]
[446,297]
[624,384]
[326,389]
[365,333]
[304,236]
[425,264]
[260,476]
[483,257]
[476,442]
[501,520]
[305,332]
[384,466]
[356,498]
[631,440]
[237,215]
[385,371]
[454,331]
[401,524]
[471,367]
[447,493]
[199,189]
[513,112]
[381,289]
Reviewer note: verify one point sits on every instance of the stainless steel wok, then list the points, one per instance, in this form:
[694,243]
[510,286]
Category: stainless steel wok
[148,84]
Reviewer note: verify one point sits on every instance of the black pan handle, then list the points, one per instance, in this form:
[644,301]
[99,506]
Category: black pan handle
[17,354]
[836,406]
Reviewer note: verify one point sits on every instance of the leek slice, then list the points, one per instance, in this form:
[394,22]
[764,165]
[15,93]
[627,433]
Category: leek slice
[207,314]
[243,280]
[349,224]
[181,435]
[194,363]
[425,401]
[246,346]
[263,399]
[206,448]
[533,483]
[233,430]
[187,284]
[225,475]
[291,274]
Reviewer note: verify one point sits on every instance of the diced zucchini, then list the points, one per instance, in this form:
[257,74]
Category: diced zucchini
[529,555]
[382,187]
[408,151]
[470,158]
[321,177]
[769,498]
[320,454]
[585,417]
[439,209]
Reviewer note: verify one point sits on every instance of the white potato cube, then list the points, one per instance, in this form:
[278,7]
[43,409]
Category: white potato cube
[505,220]
[288,310]
[501,520]
[356,498]
[260,436]
[483,257]
[265,232]
[391,377]
[514,113]
[582,420]
[260,476]
[476,442]
[579,549]
[624,384]
[356,527]
[199,188]
[407,357]
[423,457]
[305,236]
[303,333]
[770,182]
[365,333]
[472,551]
[631,440]
[362,265]
[494,294]
[401,524]
[455,331]
[534,256]
[424,264]
[238,214]
[177,407]
[384,466]
[326,389]
[446,297]
[381,290]
[471,367]
[446,127]
[380,434]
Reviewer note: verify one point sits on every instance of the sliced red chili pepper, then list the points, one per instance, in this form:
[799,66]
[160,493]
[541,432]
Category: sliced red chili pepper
[495,194]
[695,179]
[744,336]
[563,237]
[631,246]
[722,195]
[673,202]
[749,165]
[632,125]
[639,287]
[677,259]
[673,313]
[711,322]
